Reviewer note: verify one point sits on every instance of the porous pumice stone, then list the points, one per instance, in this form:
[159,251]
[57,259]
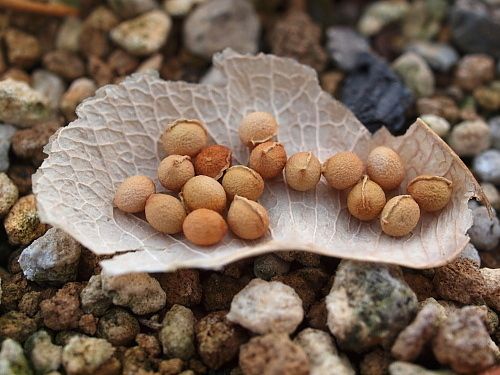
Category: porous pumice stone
[243,181]
[302,171]
[256,128]
[247,219]
[204,227]
[165,213]
[400,216]
[268,159]
[132,194]
[385,167]
[203,192]
[212,161]
[366,200]
[184,137]
[174,171]
[343,170]
[432,193]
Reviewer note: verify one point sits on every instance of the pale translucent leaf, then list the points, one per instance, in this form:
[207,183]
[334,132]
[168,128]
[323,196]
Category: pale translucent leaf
[117,135]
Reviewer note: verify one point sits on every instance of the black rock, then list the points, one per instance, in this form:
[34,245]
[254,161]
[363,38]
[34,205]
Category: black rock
[376,95]
[475,26]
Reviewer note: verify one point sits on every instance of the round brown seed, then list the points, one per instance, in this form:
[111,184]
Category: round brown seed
[132,194]
[247,219]
[212,161]
[343,170]
[268,159]
[256,128]
[243,181]
[303,171]
[203,192]
[174,171]
[432,193]
[400,216]
[184,137]
[204,227]
[366,200]
[385,167]
[165,213]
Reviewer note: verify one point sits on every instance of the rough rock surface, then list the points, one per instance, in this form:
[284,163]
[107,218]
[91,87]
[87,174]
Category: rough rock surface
[12,359]
[94,299]
[22,223]
[6,133]
[44,355]
[8,194]
[485,231]
[85,355]
[177,333]
[62,311]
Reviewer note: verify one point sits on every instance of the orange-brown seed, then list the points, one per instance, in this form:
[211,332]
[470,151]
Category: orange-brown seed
[256,128]
[243,181]
[343,170]
[132,194]
[247,219]
[165,213]
[400,216]
[212,161]
[385,167]
[174,171]
[203,192]
[184,137]
[204,227]
[268,159]
[366,200]
[302,171]
[432,193]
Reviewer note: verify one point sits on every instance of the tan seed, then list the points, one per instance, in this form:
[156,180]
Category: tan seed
[243,181]
[366,200]
[184,137]
[174,171]
[385,167]
[204,227]
[257,128]
[132,194]
[302,171]
[247,219]
[432,193]
[165,213]
[268,159]
[203,192]
[400,216]
[343,170]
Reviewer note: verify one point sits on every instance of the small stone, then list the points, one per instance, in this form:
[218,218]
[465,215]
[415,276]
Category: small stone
[488,97]
[463,343]
[442,106]
[135,361]
[131,8]
[415,73]
[62,311]
[182,287]
[99,71]
[118,327]
[470,138]
[492,194]
[375,363]
[439,56]
[149,344]
[86,355]
[218,339]
[69,34]
[53,257]
[474,70]
[344,44]
[22,223]
[23,50]
[122,63]
[88,324]
[218,24]
[330,82]
[65,64]
[20,174]
[424,18]
[179,8]
[101,18]
[264,307]
[177,333]
[471,253]
[267,266]
[17,75]
[303,289]
[44,355]
[8,194]
[405,368]
[137,291]
[17,326]
[94,299]
[219,290]
[6,133]
[79,89]
[153,63]
[49,85]
[317,315]
[170,366]
[487,166]
[12,359]
[492,287]
[29,303]
[323,356]
[273,354]
[420,284]
[485,231]
[439,125]
[143,35]
[494,124]
[13,288]
[21,105]
[368,305]
[379,14]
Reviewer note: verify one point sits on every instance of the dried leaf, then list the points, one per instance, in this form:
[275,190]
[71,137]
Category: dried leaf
[117,135]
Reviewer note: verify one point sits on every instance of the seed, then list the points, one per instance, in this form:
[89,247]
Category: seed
[257,127]
[247,219]
[133,192]
[385,167]
[184,137]
[302,171]
[432,193]
[204,227]
[165,213]
[203,192]
[268,159]
[343,170]
[243,181]
[212,161]
[366,200]
[400,216]
[174,171]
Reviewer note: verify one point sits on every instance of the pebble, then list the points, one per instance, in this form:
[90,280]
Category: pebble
[122,62]
[416,74]
[180,8]
[177,333]
[219,290]
[491,293]
[118,327]
[376,95]
[86,355]
[368,305]
[8,194]
[65,64]
[439,125]
[6,133]
[28,144]
[16,326]
[273,354]
[470,138]
[487,166]
[22,223]
[149,343]
[375,363]
[303,289]
[137,291]
[44,355]
[143,35]
[344,44]
[492,194]
[441,57]
[412,340]
[131,8]
[182,287]
[51,258]
[485,231]
[381,13]
[463,343]
[49,85]
[269,265]
[264,307]
[474,70]
[218,339]
[68,35]
[12,359]
[405,368]
[80,89]
[442,106]
[99,71]
[21,105]
[21,174]
[471,253]
[13,289]
[494,124]
[88,324]
[29,303]
[218,24]
[62,312]
[474,27]
[23,50]
[324,358]
[424,19]
[94,36]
